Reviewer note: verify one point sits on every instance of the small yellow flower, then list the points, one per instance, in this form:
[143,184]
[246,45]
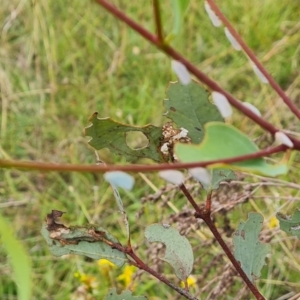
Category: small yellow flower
[191,282]
[105,266]
[273,222]
[127,275]
[88,280]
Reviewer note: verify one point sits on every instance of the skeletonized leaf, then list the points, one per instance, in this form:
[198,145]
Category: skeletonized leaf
[81,240]
[179,252]
[125,295]
[290,224]
[120,179]
[172,176]
[225,141]
[107,133]
[249,252]
[19,260]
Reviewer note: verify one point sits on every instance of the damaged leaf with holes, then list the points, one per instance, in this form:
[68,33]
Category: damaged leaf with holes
[125,295]
[248,251]
[290,224]
[90,240]
[179,253]
[107,133]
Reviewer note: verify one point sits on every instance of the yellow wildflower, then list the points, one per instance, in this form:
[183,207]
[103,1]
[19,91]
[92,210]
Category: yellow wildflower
[273,222]
[105,266]
[127,275]
[88,280]
[191,282]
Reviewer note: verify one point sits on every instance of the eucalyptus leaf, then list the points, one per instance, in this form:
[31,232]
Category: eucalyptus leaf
[179,253]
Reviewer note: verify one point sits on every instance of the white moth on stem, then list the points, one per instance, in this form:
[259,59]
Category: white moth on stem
[282,138]
[258,73]
[172,176]
[252,108]
[202,175]
[181,71]
[232,40]
[212,15]
[222,104]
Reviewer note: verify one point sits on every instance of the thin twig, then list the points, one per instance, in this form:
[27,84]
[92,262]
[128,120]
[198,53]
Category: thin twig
[157,18]
[41,166]
[253,58]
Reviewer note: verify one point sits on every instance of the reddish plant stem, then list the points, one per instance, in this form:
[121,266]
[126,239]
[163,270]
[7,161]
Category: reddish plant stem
[159,31]
[252,56]
[40,166]
[201,76]
[143,266]
[208,202]
[205,216]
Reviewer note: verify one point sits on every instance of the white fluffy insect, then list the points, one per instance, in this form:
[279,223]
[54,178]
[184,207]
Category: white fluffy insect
[258,73]
[222,104]
[232,40]
[282,138]
[172,176]
[201,174]
[252,108]
[181,71]
[212,15]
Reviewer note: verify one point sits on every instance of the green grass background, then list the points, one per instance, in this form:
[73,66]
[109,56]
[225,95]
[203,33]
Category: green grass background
[60,61]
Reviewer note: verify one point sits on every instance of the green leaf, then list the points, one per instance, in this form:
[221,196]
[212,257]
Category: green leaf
[249,252]
[225,141]
[125,295]
[124,180]
[291,225]
[179,8]
[19,260]
[107,133]
[179,252]
[81,240]
[188,106]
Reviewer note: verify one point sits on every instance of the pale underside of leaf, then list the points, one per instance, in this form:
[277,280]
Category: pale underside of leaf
[179,252]
[249,252]
[125,295]
[290,224]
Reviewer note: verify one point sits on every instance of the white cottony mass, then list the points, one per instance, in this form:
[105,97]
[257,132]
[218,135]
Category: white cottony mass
[232,40]
[181,71]
[212,15]
[282,138]
[201,174]
[252,108]
[222,104]
[258,73]
[172,176]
